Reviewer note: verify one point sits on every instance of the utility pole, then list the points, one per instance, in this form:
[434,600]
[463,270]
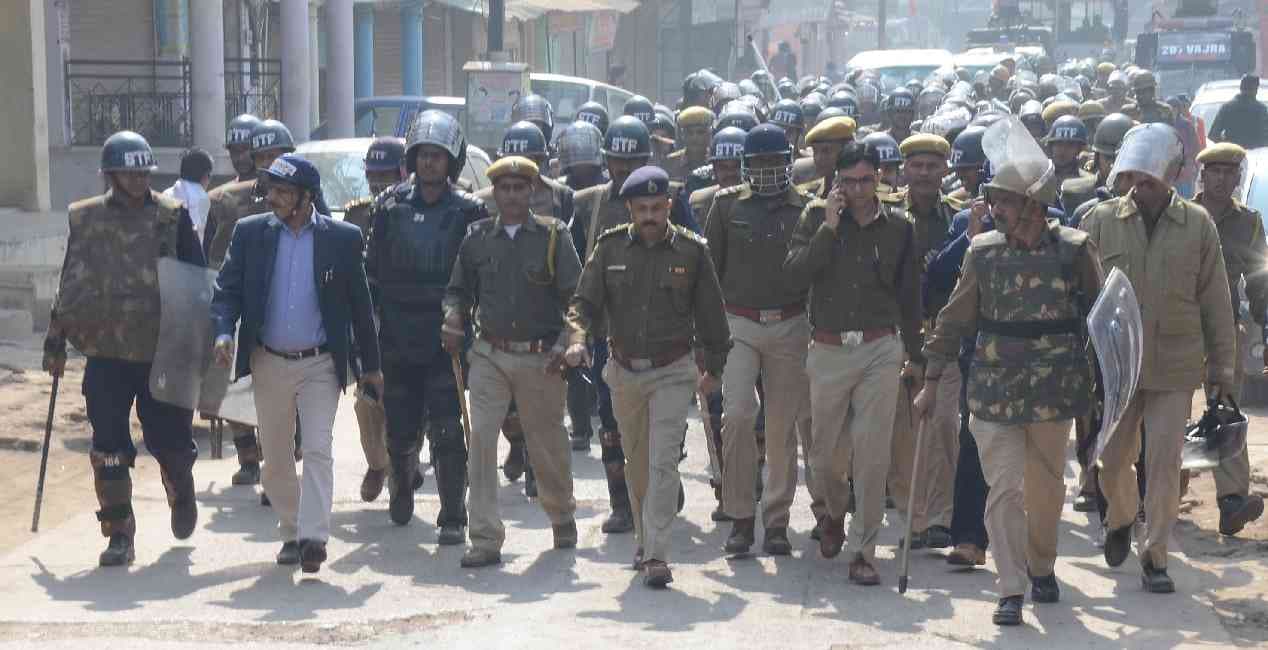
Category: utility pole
[881,10]
[497,18]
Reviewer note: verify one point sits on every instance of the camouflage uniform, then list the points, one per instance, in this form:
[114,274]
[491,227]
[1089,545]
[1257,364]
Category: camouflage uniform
[108,307]
[1029,377]
[229,203]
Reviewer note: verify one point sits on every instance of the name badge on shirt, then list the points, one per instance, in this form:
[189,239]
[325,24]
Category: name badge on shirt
[678,270]
[616,267]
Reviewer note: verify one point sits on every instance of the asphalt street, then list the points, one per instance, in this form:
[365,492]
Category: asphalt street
[391,586]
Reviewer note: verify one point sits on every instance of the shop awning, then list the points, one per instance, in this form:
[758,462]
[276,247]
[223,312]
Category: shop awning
[531,9]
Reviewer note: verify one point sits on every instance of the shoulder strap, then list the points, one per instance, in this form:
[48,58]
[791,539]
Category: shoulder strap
[592,229]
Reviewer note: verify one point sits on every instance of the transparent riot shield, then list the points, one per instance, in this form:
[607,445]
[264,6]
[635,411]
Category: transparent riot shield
[1117,335]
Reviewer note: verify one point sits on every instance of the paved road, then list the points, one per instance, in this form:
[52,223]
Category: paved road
[392,586]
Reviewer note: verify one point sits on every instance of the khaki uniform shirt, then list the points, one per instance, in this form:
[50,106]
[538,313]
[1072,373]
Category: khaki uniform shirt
[229,203]
[654,296]
[860,278]
[1181,284]
[519,286]
[1241,231]
[748,239]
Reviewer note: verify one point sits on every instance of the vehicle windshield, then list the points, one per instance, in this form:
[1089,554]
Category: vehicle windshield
[1257,197]
[1186,79]
[565,97]
[895,76]
[342,176]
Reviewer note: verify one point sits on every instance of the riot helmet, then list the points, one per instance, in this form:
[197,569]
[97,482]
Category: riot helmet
[127,151]
[767,180]
[1109,133]
[438,128]
[525,139]
[580,143]
[594,113]
[627,137]
[536,109]
[271,135]
[640,107]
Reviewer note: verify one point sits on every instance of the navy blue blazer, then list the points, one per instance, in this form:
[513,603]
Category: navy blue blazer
[242,289]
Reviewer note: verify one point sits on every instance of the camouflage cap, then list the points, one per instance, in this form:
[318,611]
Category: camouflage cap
[1225,153]
[831,129]
[513,166]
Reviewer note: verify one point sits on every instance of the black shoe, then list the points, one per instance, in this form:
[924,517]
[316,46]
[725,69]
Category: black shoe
[937,537]
[1085,502]
[620,521]
[451,535]
[817,532]
[580,443]
[247,474]
[1155,581]
[289,555]
[776,542]
[741,538]
[311,554]
[119,551]
[1236,511]
[682,497]
[1044,589]
[513,464]
[477,557]
[1118,542]
[264,500]
[720,515]
[565,535]
[917,541]
[1008,612]
[401,501]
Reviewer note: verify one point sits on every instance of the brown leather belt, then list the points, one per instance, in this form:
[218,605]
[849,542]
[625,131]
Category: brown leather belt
[659,360]
[520,347]
[853,337]
[763,316]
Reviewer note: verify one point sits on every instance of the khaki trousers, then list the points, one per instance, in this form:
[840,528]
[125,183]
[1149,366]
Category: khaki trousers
[651,409]
[281,387]
[1163,414]
[371,421]
[852,402]
[1232,477]
[776,352]
[1024,465]
[940,451]
[496,378]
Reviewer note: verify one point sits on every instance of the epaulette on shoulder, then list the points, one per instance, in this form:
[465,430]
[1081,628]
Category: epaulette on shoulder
[955,203]
[1074,235]
[703,171]
[548,221]
[735,191]
[689,235]
[481,226]
[623,229]
[896,198]
[677,154]
[84,204]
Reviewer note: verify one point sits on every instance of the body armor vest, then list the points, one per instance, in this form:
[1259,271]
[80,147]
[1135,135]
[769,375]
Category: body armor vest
[109,298]
[1030,363]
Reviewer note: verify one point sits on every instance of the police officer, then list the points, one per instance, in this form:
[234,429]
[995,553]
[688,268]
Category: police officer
[725,153]
[1179,271]
[514,275]
[238,144]
[626,148]
[594,113]
[814,175]
[1091,112]
[230,202]
[924,165]
[417,229]
[891,159]
[1245,256]
[1115,92]
[1147,108]
[900,111]
[967,158]
[580,147]
[787,114]
[549,198]
[383,169]
[1066,140]
[855,253]
[749,226]
[1024,289]
[536,109]
[112,251]
[1031,115]
[652,371]
[695,124]
[1079,195]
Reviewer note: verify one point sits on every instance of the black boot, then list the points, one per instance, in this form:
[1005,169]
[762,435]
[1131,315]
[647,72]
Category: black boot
[401,494]
[118,552]
[244,443]
[450,454]
[741,539]
[176,469]
[530,479]
[622,518]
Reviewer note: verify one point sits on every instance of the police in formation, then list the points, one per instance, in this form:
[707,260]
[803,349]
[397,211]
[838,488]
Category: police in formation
[883,276]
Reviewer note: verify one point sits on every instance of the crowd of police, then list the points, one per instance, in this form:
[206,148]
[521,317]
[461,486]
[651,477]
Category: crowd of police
[836,267]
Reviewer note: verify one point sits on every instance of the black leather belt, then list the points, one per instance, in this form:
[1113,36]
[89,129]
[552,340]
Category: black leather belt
[299,354]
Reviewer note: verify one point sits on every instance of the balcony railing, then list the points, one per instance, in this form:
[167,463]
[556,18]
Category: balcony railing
[153,97]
